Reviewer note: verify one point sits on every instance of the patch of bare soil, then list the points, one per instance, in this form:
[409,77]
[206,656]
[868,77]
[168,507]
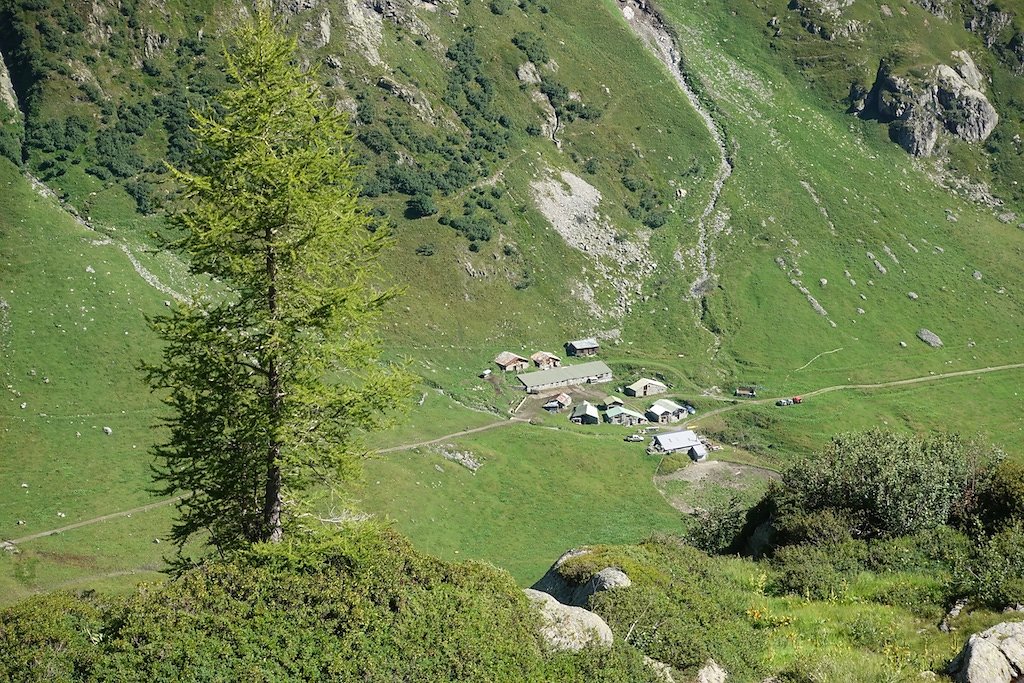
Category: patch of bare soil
[701,475]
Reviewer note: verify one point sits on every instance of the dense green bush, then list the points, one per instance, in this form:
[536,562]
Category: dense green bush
[360,606]
[422,205]
[879,483]
[532,46]
[992,572]
[115,151]
[816,572]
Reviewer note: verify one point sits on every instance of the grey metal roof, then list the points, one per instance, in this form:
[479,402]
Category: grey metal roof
[564,374]
[677,440]
[663,405]
[589,343]
[619,410]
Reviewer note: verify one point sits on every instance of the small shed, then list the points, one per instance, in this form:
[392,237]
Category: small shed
[582,347]
[665,411]
[612,401]
[746,392]
[510,362]
[624,416]
[545,360]
[646,387]
[585,414]
[558,403]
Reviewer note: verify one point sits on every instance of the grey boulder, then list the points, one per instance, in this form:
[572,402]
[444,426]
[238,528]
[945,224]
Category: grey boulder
[566,627]
[992,656]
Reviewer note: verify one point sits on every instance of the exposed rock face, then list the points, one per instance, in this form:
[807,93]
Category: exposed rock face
[578,594]
[567,627]
[365,31]
[929,338]
[917,132]
[968,113]
[662,670]
[7,95]
[712,673]
[527,73]
[824,18]
[951,98]
[572,206]
[992,656]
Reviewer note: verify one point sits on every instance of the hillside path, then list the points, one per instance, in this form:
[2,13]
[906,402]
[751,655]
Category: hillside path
[843,387]
[94,520]
[454,435]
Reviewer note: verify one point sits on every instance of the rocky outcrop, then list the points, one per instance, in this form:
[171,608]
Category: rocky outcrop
[578,594]
[824,18]
[566,627]
[992,656]
[8,98]
[527,73]
[950,98]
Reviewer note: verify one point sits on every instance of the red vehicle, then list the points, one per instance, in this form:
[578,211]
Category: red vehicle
[798,399]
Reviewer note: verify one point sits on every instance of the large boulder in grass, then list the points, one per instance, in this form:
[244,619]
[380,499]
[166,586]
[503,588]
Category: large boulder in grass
[929,338]
[566,627]
[992,656]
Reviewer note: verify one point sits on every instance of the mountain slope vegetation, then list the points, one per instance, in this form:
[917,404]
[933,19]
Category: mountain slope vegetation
[691,183]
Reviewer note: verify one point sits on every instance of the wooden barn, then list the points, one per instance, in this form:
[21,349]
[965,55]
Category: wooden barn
[582,347]
[510,362]
[545,360]
[646,387]
[593,372]
[665,411]
[585,414]
[624,416]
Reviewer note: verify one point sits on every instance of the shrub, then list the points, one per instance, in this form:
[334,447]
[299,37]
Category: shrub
[361,605]
[532,46]
[141,192]
[718,528]
[114,151]
[883,483]
[680,609]
[422,205]
[808,571]
[992,572]
[655,219]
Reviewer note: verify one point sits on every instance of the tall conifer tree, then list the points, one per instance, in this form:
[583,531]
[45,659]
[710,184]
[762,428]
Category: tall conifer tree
[274,374]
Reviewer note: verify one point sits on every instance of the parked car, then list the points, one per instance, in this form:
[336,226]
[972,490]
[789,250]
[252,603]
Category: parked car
[690,409]
[784,402]
[634,438]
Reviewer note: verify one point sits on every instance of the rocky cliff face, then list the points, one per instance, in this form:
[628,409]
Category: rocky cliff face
[950,98]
